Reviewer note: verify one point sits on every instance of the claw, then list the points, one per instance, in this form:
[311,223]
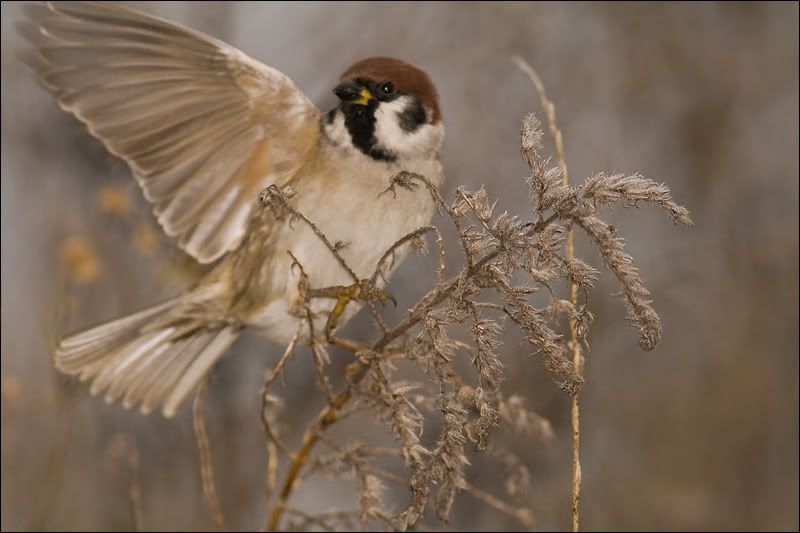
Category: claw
[369,293]
[363,290]
[382,296]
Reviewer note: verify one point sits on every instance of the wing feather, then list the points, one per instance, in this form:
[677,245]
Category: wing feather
[203,127]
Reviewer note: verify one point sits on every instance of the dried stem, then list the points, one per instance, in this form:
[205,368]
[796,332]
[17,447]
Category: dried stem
[555,132]
[273,443]
[278,199]
[123,456]
[134,490]
[523,516]
[356,372]
[404,240]
[323,520]
[497,248]
[327,417]
[206,467]
[287,354]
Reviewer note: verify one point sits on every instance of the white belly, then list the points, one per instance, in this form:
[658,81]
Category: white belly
[353,209]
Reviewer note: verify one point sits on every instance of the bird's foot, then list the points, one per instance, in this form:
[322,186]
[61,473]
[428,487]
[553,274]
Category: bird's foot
[364,291]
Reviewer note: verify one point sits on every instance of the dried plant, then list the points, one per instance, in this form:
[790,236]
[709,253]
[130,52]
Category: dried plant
[509,271]
[485,296]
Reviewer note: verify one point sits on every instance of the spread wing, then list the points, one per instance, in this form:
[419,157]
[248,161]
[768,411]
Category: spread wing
[203,127]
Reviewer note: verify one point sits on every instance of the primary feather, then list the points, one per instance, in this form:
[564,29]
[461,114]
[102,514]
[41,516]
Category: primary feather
[203,127]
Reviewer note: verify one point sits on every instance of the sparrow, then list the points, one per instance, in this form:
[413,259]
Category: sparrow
[204,129]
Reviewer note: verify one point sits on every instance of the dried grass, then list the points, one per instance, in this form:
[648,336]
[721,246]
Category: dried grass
[485,297]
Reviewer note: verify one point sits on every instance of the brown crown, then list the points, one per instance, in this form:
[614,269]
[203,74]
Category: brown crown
[407,78]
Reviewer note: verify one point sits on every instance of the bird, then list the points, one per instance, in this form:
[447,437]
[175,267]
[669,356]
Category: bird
[205,129]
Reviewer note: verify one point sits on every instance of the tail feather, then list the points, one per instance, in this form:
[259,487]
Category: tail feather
[114,327]
[125,386]
[75,352]
[154,391]
[155,357]
[118,366]
[198,368]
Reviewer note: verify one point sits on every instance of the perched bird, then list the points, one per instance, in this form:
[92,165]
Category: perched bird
[204,129]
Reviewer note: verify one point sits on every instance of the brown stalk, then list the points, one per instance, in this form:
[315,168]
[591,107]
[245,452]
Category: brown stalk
[134,490]
[356,372]
[328,416]
[206,467]
[492,255]
[550,111]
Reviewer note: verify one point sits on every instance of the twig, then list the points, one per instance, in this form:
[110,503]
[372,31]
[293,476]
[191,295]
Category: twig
[123,455]
[357,370]
[493,255]
[134,490]
[53,474]
[376,316]
[319,357]
[406,179]
[272,470]
[322,519]
[318,353]
[288,353]
[555,132]
[523,516]
[277,198]
[206,467]
[355,373]
[435,296]
[403,240]
[273,442]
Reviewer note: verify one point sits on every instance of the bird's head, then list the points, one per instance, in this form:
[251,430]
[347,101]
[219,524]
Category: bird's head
[388,109]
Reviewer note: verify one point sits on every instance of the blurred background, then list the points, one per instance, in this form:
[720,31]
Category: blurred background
[700,434]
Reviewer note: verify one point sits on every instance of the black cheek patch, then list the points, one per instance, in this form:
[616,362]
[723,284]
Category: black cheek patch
[380,154]
[412,117]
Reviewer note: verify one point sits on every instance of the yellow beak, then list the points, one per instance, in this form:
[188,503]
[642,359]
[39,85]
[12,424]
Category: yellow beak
[352,92]
[364,97]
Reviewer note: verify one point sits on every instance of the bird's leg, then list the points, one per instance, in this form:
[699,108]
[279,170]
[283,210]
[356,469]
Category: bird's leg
[364,291]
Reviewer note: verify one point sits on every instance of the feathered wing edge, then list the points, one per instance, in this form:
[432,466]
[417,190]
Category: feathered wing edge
[203,126]
[154,358]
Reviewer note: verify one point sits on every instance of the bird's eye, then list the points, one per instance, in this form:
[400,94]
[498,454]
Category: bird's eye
[387,87]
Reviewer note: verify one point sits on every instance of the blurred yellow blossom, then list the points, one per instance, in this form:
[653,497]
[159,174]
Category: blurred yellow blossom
[114,200]
[80,259]
[11,388]
[145,239]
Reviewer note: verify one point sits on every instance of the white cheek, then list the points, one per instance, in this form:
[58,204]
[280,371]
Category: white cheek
[388,132]
[425,140]
[337,132]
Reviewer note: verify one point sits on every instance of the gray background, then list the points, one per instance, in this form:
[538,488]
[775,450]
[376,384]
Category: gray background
[700,434]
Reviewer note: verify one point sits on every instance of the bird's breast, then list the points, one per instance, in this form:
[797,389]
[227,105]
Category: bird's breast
[351,203]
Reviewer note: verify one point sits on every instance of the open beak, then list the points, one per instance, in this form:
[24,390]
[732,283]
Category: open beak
[351,92]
